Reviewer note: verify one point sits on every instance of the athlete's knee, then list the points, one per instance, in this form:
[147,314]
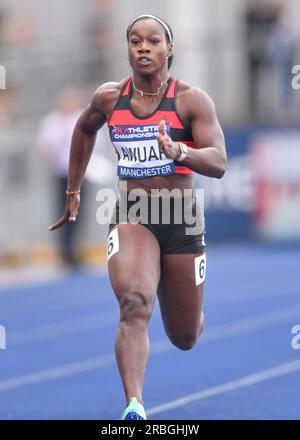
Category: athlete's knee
[135,305]
[187,340]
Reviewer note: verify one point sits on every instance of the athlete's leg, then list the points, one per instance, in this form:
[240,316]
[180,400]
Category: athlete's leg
[180,296]
[134,272]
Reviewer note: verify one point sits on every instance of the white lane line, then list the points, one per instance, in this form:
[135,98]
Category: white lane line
[225,297]
[57,372]
[34,278]
[242,326]
[29,277]
[252,323]
[251,293]
[61,371]
[252,379]
[247,325]
[63,328]
[110,318]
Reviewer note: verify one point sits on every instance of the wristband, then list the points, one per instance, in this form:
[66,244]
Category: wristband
[183,152]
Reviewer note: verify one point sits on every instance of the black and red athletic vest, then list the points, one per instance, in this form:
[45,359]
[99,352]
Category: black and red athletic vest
[134,137]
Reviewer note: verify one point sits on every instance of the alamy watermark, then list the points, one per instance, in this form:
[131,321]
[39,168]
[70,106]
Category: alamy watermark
[296,77]
[160,206]
[2,77]
[2,337]
[295,342]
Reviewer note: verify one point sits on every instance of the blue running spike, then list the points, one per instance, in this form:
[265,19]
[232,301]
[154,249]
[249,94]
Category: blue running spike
[134,411]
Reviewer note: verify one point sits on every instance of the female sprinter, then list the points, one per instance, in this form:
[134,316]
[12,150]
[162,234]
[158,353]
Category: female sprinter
[163,130]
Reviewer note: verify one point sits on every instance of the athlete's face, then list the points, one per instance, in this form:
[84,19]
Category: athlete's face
[148,47]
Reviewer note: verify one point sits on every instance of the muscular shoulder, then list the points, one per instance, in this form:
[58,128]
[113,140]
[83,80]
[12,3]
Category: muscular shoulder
[194,101]
[106,96]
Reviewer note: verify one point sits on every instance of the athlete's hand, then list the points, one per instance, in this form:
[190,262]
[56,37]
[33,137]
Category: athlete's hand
[167,146]
[71,211]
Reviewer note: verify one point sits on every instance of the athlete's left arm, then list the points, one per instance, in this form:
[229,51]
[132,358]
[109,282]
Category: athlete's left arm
[209,156]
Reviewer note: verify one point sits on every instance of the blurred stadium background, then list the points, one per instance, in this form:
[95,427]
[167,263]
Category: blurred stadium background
[241,52]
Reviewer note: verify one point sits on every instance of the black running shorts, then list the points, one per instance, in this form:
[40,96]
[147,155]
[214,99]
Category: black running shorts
[177,223]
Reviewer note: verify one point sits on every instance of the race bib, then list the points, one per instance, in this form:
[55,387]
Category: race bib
[139,153]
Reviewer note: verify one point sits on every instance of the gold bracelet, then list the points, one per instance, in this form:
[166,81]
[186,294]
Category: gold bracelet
[72,193]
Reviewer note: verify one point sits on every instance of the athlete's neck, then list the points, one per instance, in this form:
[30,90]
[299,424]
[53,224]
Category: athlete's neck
[150,84]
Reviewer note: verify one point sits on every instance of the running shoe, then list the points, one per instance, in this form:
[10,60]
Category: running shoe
[134,411]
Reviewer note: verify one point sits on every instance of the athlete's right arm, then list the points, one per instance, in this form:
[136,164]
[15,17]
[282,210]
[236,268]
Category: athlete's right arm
[83,141]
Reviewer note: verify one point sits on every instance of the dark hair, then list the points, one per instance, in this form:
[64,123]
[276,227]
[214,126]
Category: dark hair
[166,27]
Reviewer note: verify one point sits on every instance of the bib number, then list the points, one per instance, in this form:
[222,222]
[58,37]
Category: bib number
[200,269]
[112,243]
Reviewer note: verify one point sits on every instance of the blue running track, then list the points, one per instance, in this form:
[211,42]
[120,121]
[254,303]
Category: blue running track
[59,362]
